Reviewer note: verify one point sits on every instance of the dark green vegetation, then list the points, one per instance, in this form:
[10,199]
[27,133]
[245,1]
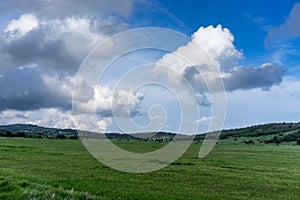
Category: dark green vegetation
[276,133]
[34,131]
[268,133]
[63,169]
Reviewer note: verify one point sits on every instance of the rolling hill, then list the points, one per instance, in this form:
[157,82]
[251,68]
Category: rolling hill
[266,133]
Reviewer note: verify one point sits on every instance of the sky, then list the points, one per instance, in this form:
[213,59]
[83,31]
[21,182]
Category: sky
[252,46]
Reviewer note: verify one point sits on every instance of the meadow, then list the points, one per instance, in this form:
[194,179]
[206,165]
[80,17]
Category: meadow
[63,169]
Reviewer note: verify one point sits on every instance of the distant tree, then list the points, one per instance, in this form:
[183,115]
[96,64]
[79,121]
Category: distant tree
[268,141]
[249,142]
[223,137]
[61,136]
[20,134]
[298,141]
[73,137]
[8,134]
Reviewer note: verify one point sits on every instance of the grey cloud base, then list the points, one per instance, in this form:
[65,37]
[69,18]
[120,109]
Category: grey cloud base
[26,89]
[262,77]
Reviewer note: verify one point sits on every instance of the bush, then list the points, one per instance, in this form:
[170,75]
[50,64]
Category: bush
[249,142]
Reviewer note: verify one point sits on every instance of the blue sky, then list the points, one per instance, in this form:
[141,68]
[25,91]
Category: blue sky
[254,44]
[249,21]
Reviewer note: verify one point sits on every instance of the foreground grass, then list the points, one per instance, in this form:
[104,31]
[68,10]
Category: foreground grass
[63,169]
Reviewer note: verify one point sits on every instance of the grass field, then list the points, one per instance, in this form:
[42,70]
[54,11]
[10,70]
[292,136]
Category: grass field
[63,169]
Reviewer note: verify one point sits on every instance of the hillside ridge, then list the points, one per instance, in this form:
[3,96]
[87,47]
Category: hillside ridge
[281,132]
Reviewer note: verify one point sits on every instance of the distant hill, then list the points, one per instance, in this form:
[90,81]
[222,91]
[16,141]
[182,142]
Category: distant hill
[265,133]
[34,128]
[34,131]
[259,130]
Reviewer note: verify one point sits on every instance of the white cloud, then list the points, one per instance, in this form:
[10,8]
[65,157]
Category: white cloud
[215,49]
[210,57]
[51,117]
[56,118]
[218,44]
[20,27]
[89,121]
[205,119]
[94,108]
[55,37]
[108,103]
[53,44]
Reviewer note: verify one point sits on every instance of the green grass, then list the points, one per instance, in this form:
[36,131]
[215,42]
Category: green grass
[63,169]
[258,139]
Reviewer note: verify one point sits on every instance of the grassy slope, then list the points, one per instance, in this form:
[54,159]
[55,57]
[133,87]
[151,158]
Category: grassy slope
[58,169]
[258,139]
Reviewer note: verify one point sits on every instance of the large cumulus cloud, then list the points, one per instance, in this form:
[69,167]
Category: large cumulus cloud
[56,44]
[220,63]
[41,49]
[106,102]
